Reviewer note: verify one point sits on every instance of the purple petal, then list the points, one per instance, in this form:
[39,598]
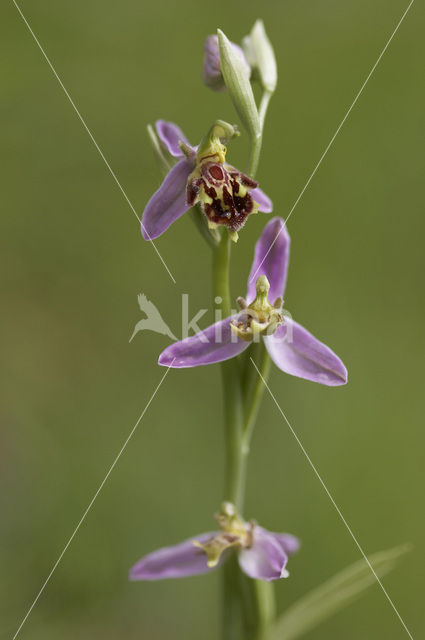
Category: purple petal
[271,259]
[170,135]
[266,205]
[266,559]
[211,71]
[290,544]
[297,352]
[214,344]
[179,561]
[168,203]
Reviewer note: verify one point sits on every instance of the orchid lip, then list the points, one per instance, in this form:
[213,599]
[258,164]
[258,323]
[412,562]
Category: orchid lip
[222,191]
[211,72]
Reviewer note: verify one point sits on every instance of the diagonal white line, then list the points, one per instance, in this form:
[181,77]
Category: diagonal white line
[111,171]
[111,468]
[335,135]
[319,477]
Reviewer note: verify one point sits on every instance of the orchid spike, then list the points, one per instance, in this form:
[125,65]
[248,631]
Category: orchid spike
[261,554]
[292,348]
[201,175]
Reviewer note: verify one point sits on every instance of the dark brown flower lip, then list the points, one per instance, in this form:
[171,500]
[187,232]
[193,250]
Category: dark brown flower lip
[245,180]
[222,203]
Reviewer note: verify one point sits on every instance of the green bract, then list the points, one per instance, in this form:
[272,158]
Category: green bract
[236,78]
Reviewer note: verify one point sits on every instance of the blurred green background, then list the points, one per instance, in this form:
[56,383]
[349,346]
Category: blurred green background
[73,262]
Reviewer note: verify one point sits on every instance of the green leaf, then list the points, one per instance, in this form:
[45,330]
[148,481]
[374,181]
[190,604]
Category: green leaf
[333,595]
[236,78]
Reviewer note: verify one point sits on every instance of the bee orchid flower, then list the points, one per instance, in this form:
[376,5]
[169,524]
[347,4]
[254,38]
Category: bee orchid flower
[291,347]
[201,175]
[261,554]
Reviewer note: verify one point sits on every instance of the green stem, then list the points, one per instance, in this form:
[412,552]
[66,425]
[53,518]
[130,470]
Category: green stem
[264,105]
[233,608]
[236,457]
[248,605]
[221,268]
[232,390]
[250,609]
[264,605]
[255,395]
[256,143]
[262,593]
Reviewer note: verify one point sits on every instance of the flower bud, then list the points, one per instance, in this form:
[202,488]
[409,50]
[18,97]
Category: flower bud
[259,53]
[211,72]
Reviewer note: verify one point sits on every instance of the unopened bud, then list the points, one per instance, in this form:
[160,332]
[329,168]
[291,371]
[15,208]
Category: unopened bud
[211,72]
[260,55]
